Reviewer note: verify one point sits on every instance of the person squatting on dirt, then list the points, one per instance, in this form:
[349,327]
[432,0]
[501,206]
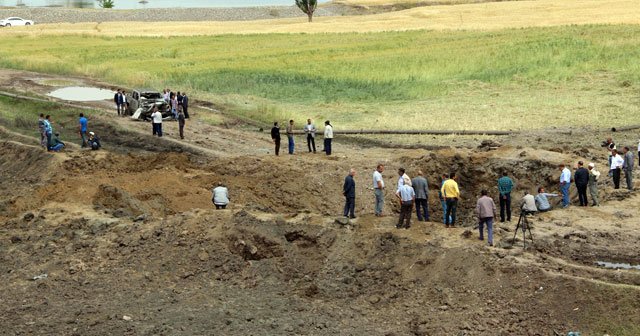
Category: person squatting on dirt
[505,185]
[220,197]
[275,136]
[82,129]
[181,122]
[310,129]
[94,141]
[451,193]
[328,137]
[581,179]
[43,131]
[628,167]
[542,201]
[378,189]
[593,184]
[565,183]
[617,162]
[290,136]
[528,203]
[156,121]
[486,211]
[349,192]
[421,188]
[56,145]
[407,196]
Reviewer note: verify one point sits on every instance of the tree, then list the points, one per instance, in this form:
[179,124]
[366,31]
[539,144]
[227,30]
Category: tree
[106,3]
[308,7]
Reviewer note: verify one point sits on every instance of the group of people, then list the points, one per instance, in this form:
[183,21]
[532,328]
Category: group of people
[310,132]
[120,99]
[50,140]
[618,163]
[178,102]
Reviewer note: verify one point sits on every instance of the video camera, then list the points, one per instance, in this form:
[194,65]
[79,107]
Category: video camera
[605,144]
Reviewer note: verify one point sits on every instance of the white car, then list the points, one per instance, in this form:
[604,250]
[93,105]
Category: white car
[15,21]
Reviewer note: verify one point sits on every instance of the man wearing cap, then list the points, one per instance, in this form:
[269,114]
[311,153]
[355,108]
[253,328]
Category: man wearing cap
[565,182]
[593,184]
[581,178]
[628,167]
[93,141]
[407,196]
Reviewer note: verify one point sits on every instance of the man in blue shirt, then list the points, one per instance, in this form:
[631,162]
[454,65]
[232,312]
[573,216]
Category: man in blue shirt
[82,129]
[505,185]
[565,182]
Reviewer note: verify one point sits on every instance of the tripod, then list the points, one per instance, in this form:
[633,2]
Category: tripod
[523,223]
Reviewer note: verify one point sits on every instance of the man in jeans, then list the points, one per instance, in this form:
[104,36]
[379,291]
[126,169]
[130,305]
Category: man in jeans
[421,188]
[565,182]
[378,189]
[451,193]
[407,196]
[628,167]
[486,210]
[290,136]
[505,185]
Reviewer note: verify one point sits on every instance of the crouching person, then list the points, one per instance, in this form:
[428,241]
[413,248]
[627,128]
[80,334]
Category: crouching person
[486,211]
[55,145]
[220,196]
[94,141]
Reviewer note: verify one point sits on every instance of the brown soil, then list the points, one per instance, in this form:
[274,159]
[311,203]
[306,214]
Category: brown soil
[130,231]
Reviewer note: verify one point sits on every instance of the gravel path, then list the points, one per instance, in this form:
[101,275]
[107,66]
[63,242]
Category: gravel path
[75,15]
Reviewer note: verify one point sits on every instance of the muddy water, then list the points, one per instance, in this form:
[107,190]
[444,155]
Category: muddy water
[82,94]
[612,265]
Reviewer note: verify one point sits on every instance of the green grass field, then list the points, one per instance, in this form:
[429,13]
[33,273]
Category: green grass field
[507,79]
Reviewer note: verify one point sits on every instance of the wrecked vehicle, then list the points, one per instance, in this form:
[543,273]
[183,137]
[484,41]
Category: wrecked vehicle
[141,103]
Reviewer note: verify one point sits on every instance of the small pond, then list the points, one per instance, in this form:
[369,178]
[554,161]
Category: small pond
[613,265]
[79,93]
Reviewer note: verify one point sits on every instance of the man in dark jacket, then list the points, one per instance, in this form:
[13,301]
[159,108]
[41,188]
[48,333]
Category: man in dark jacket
[185,105]
[349,192]
[421,188]
[275,136]
[581,178]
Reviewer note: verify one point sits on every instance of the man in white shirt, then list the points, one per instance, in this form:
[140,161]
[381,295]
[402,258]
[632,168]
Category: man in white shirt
[156,117]
[529,203]
[407,196]
[378,189]
[310,129]
[565,182]
[616,167]
[328,137]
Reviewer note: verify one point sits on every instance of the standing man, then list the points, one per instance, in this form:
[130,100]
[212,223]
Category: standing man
[310,129]
[407,196]
[378,189]
[421,188]
[565,182]
[628,167]
[185,105]
[181,122]
[123,102]
[593,184]
[486,211]
[82,129]
[48,131]
[290,136]
[328,137]
[443,202]
[118,101]
[349,192]
[275,136]
[617,162]
[505,185]
[451,193]
[402,178]
[156,119]
[581,178]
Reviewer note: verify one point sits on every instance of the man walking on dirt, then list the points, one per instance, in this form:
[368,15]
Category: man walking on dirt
[593,184]
[349,192]
[275,136]
[581,179]
[421,188]
[451,193]
[378,189]
[486,211]
[617,162]
[628,167]
[310,129]
[505,185]
[565,182]
[407,196]
[290,136]
[82,129]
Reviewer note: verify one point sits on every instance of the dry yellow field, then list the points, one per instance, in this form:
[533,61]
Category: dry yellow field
[483,16]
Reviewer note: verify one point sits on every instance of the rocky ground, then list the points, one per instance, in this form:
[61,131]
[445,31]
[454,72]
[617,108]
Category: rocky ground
[124,241]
